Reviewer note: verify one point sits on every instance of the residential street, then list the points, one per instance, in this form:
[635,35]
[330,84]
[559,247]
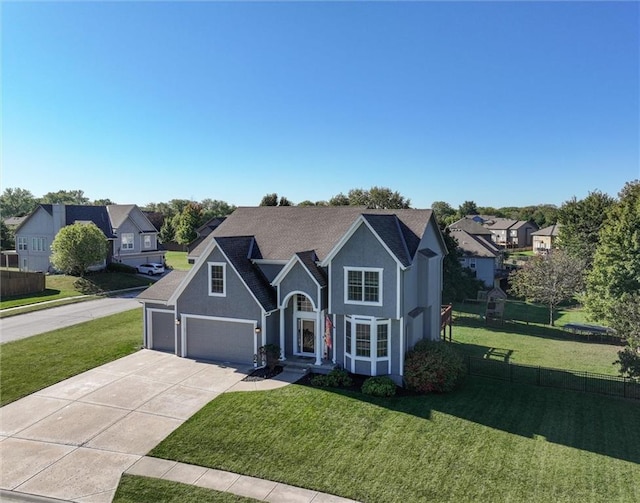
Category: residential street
[25,325]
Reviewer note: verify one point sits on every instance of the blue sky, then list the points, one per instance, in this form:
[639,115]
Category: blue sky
[505,104]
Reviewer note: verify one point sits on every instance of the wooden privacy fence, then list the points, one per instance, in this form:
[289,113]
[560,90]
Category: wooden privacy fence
[20,283]
[587,382]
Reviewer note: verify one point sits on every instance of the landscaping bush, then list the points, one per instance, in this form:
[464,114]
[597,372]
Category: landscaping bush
[433,366]
[270,355]
[337,378]
[379,386]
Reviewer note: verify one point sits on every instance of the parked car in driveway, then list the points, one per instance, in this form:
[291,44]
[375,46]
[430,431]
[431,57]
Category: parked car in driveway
[150,269]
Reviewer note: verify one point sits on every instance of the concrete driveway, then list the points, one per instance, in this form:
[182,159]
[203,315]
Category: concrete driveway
[73,440]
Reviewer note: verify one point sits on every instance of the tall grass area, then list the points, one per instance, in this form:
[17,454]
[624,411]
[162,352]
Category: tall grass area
[31,364]
[488,442]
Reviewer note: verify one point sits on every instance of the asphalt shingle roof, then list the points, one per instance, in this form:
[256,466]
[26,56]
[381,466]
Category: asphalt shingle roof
[96,214]
[474,246]
[552,230]
[162,289]
[237,250]
[282,231]
[309,260]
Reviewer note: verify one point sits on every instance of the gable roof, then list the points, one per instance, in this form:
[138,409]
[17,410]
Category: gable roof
[120,212]
[308,260]
[471,226]
[237,250]
[522,223]
[282,231]
[552,230]
[96,214]
[473,246]
[501,224]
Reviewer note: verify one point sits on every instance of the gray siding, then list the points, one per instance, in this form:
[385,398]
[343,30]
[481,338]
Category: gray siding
[39,225]
[270,270]
[238,302]
[299,280]
[364,250]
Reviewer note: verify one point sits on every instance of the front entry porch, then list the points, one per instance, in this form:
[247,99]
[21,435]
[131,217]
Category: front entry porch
[308,364]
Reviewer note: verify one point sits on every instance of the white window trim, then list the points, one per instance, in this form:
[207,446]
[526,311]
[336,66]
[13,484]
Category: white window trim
[224,279]
[143,244]
[23,243]
[379,270]
[127,246]
[373,358]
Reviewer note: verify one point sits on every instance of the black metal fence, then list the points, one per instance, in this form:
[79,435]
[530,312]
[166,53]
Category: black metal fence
[588,382]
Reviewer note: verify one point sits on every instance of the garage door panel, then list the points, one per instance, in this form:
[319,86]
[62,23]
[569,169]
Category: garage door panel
[220,340]
[163,337]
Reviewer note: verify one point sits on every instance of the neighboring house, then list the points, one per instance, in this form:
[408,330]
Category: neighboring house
[511,233]
[203,231]
[132,239]
[474,228]
[479,255]
[136,238]
[544,239]
[337,285]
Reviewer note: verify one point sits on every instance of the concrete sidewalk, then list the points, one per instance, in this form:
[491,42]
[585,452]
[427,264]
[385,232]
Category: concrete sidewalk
[73,440]
[242,485]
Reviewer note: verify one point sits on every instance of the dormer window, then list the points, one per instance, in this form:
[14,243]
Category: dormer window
[363,285]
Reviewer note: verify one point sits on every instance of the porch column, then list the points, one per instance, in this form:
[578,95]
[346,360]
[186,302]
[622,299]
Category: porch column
[319,332]
[282,357]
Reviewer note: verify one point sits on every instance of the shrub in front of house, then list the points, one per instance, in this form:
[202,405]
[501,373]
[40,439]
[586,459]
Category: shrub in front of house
[337,378]
[379,386]
[433,367]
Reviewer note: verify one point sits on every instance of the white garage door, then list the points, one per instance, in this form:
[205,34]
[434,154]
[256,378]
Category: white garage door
[223,341]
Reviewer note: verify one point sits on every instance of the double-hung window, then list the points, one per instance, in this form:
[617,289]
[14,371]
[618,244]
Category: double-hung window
[147,241]
[37,244]
[217,279]
[363,285]
[127,241]
[22,244]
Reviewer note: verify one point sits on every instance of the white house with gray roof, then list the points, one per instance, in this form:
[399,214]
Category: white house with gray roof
[341,286]
[131,237]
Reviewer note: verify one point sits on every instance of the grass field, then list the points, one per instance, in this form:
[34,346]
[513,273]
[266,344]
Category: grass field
[133,489]
[31,364]
[177,260]
[488,442]
[60,287]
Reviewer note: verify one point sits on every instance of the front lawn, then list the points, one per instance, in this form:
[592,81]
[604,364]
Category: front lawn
[31,364]
[135,489]
[488,442]
[60,287]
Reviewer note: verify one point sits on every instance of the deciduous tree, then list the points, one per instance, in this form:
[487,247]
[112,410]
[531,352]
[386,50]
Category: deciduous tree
[616,262]
[626,322]
[16,202]
[65,197]
[549,279]
[467,208]
[188,222]
[581,223]
[76,247]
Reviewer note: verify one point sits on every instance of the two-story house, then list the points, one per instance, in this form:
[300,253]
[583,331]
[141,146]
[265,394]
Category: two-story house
[131,237]
[339,285]
[544,240]
[511,233]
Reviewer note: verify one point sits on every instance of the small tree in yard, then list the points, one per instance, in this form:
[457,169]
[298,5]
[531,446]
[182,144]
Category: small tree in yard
[549,280]
[625,319]
[77,247]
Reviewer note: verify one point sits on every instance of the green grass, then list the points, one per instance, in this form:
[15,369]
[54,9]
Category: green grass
[177,260]
[488,442]
[534,345]
[135,489]
[61,287]
[31,364]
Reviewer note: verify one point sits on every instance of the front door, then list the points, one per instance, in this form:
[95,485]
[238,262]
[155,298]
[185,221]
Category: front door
[306,337]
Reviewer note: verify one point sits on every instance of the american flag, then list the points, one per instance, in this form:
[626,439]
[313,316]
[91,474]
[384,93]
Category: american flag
[328,329]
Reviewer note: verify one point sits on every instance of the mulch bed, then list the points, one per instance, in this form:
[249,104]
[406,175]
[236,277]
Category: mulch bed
[263,373]
[358,381]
